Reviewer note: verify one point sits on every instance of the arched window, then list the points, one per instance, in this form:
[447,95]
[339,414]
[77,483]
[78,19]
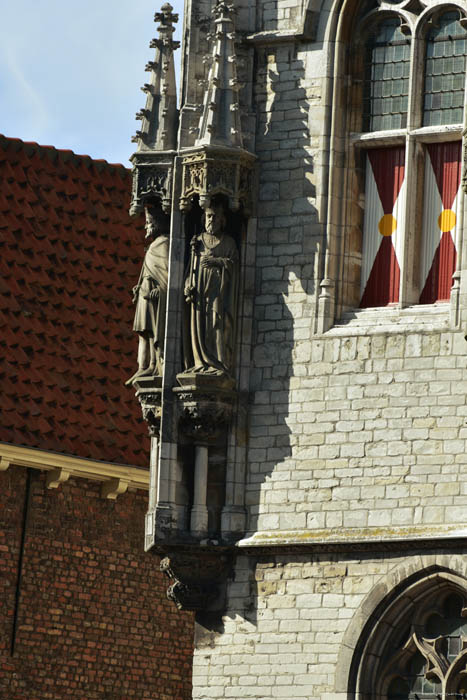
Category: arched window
[418,649]
[407,69]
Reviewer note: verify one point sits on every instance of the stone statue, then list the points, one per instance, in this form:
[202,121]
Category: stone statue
[150,297]
[211,294]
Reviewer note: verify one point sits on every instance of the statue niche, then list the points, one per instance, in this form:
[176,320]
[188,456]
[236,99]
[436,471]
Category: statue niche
[211,290]
[150,297]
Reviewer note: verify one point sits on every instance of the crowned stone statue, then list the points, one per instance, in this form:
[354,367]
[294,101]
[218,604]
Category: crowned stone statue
[211,284]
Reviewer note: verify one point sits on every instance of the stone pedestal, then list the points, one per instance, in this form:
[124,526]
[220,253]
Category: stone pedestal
[205,405]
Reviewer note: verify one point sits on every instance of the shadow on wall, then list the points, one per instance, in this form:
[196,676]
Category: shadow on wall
[286,268]
[286,271]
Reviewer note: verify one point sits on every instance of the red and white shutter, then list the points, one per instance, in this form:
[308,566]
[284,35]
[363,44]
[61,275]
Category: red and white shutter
[383,226]
[441,220]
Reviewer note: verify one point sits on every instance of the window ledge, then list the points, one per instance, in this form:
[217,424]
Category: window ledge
[429,317]
[426,134]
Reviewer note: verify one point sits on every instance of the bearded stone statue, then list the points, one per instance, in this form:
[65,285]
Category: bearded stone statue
[211,285]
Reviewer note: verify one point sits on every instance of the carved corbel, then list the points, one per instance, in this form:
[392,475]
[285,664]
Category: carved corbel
[4,464]
[197,577]
[113,488]
[204,411]
[56,477]
[149,395]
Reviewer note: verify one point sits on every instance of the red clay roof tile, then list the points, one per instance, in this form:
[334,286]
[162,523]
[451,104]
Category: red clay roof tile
[69,255]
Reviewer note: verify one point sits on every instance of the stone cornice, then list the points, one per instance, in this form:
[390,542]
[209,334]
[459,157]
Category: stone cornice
[115,478]
[272,36]
[353,537]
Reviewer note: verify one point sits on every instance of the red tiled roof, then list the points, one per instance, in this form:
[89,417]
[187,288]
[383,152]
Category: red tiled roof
[69,256]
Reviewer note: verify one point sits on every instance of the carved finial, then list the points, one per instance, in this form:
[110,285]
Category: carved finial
[220,120]
[166,16]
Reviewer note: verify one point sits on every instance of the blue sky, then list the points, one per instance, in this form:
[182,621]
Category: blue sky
[70,72]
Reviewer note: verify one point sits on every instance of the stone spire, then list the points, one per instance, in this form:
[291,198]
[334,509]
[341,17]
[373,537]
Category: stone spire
[159,117]
[157,138]
[219,124]
[218,164]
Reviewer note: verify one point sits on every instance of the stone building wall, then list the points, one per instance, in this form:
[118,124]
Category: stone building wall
[356,429]
[87,614]
[369,431]
[294,621]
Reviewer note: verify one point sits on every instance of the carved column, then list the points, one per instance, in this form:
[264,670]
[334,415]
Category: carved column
[199,511]
[205,406]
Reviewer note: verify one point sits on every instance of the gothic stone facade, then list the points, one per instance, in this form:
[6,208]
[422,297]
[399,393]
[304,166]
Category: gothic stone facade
[343,486]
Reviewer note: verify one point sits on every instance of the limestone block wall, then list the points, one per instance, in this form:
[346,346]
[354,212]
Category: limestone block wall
[368,430]
[362,426]
[294,621]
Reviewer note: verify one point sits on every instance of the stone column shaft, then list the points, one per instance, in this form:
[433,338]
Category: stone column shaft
[199,511]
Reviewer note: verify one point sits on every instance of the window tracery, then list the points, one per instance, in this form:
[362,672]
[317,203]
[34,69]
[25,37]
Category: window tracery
[417,649]
[431,661]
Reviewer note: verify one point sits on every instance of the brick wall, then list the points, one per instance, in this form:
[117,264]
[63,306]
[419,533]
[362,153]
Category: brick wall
[92,618]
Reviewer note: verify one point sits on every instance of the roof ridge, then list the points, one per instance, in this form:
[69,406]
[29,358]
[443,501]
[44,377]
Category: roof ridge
[64,153]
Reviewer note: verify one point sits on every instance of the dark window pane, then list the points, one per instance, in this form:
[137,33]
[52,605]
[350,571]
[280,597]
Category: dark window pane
[446,50]
[386,80]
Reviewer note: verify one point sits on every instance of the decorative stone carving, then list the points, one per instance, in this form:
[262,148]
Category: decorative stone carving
[217,171]
[211,290]
[218,164]
[149,394]
[434,643]
[157,138]
[150,297]
[196,577]
[220,119]
[151,182]
[205,406]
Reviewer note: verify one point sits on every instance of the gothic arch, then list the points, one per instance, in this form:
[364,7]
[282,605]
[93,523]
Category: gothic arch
[406,590]
[347,262]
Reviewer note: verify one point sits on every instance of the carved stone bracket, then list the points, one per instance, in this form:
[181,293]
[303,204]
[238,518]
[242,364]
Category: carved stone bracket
[205,406]
[149,394]
[196,575]
[213,170]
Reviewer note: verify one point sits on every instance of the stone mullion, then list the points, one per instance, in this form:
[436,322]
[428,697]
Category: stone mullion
[337,206]
[408,292]
[459,309]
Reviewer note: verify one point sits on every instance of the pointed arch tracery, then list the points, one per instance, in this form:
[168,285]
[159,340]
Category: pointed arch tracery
[417,648]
